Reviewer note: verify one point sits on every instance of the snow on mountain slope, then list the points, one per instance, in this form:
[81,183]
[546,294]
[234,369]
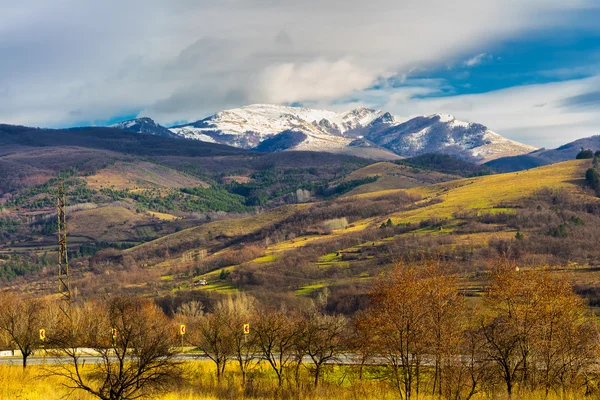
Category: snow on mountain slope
[248,126]
[442,133]
[376,130]
[145,125]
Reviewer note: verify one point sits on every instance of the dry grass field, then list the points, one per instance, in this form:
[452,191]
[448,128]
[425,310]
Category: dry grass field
[108,224]
[200,384]
[394,176]
[494,190]
[229,227]
[125,175]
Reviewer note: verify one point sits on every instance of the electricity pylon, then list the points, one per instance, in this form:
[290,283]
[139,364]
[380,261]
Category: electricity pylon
[64,276]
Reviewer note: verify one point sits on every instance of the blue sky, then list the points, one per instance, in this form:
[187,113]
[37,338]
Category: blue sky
[528,69]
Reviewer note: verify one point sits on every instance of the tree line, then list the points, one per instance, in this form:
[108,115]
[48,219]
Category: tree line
[528,333]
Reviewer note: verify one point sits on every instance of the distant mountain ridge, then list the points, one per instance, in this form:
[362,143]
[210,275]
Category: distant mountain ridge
[543,157]
[362,132]
[145,125]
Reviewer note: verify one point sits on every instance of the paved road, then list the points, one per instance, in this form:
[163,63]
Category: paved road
[40,360]
[52,360]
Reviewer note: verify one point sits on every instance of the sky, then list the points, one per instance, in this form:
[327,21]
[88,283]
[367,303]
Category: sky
[527,69]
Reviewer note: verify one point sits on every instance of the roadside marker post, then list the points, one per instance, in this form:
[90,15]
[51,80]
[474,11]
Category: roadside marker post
[182,333]
[43,340]
[246,332]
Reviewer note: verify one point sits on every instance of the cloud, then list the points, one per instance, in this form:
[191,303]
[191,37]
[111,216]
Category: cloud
[67,61]
[476,60]
[586,100]
[546,115]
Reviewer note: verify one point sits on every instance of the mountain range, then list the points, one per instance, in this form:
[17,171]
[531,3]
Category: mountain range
[362,132]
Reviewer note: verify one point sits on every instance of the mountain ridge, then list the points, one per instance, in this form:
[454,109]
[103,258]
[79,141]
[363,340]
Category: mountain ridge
[322,130]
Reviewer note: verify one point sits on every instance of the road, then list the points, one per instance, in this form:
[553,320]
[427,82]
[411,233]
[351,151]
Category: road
[346,359]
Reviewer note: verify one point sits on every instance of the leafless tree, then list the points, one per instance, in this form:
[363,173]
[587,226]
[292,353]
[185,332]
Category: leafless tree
[321,337]
[276,333]
[20,321]
[240,310]
[210,333]
[135,343]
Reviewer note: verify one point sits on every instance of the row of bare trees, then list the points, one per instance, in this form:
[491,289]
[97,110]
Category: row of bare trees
[280,338]
[529,332]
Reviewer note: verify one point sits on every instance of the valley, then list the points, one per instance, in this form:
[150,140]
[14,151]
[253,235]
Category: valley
[181,231]
[283,228]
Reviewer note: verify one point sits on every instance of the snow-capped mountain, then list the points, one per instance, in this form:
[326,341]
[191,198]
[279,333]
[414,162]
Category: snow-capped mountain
[304,128]
[442,133]
[362,132]
[145,125]
[248,126]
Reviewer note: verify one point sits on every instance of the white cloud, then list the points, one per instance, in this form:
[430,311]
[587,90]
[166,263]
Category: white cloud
[67,60]
[540,115]
[476,60]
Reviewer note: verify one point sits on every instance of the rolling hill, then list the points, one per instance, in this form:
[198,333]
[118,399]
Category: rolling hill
[545,157]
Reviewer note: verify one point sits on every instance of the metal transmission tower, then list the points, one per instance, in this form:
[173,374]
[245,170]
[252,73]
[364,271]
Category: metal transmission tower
[64,276]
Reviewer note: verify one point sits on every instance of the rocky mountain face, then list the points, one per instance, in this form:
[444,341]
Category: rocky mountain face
[362,132]
[145,125]
[444,134]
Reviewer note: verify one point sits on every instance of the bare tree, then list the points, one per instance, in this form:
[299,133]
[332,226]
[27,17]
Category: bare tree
[240,310]
[210,333]
[276,333]
[417,317]
[20,322]
[134,341]
[398,327]
[445,318]
[322,339]
[538,332]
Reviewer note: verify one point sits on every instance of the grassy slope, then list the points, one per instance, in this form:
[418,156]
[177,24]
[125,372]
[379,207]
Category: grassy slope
[230,227]
[124,175]
[106,224]
[490,191]
[394,176]
[473,193]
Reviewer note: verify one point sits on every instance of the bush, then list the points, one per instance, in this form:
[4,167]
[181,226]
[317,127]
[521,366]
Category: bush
[333,224]
[585,154]
[593,179]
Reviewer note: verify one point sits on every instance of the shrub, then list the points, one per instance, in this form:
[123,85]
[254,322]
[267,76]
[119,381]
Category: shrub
[585,154]
[333,224]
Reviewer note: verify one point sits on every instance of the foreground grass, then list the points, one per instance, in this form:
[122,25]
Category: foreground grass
[200,384]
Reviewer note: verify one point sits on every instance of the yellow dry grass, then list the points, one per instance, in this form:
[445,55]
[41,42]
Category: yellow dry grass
[337,384]
[125,175]
[163,216]
[394,176]
[229,227]
[488,191]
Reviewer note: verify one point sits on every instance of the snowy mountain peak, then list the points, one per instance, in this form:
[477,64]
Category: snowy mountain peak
[250,125]
[300,128]
[443,117]
[442,133]
[145,125]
